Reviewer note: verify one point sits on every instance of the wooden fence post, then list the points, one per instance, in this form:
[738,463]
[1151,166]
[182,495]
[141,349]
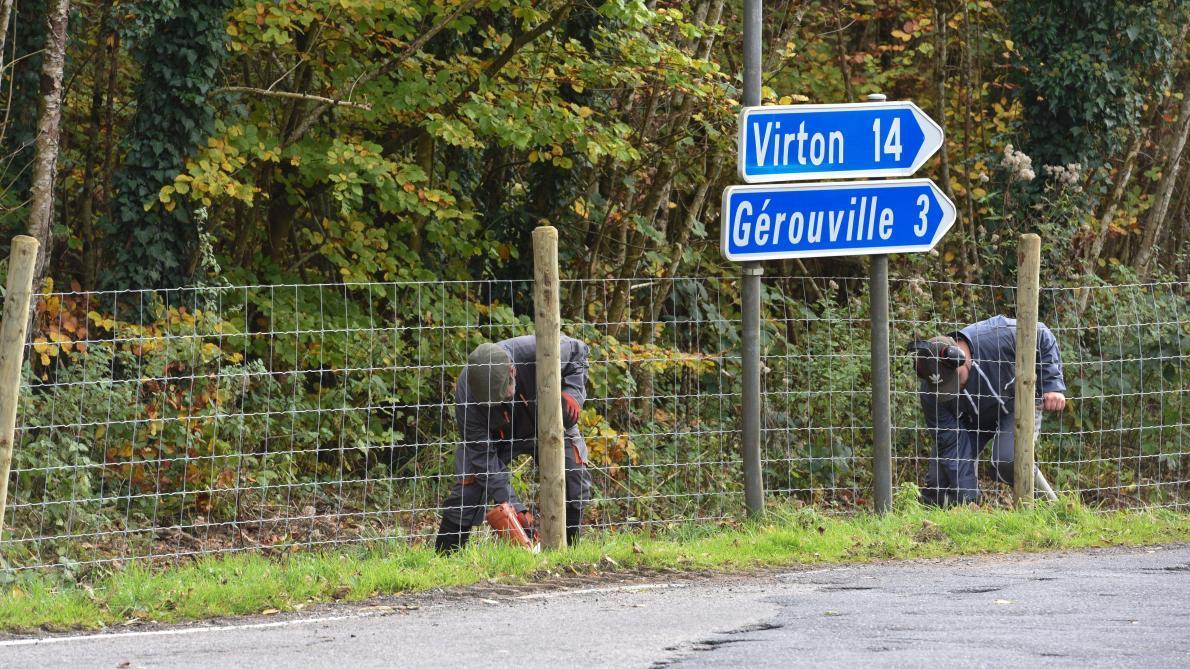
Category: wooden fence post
[1024,409]
[551,461]
[22,261]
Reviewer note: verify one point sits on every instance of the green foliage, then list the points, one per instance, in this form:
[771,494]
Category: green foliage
[1089,69]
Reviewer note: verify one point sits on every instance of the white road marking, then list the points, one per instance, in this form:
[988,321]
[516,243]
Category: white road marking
[99,636]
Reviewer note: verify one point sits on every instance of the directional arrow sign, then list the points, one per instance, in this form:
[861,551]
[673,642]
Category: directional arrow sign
[833,219]
[803,142]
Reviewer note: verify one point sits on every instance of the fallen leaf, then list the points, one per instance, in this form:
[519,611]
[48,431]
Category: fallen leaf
[269,612]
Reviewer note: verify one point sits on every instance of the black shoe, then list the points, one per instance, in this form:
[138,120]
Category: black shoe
[451,537]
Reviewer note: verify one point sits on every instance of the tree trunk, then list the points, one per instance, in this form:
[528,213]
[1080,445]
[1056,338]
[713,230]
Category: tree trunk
[633,245]
[844,67]
[46,158]
[1123,178]
[973,269]
[5,12]
[943,155]
[91,157]
[1157,214]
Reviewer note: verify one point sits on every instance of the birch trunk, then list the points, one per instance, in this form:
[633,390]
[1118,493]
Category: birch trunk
[1165,191]
[45,160]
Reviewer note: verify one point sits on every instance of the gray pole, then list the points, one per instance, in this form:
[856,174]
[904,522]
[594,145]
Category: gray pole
[881,382]
[750,285]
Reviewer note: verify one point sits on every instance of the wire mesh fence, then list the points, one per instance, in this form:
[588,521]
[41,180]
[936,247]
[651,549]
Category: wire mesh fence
[163,424]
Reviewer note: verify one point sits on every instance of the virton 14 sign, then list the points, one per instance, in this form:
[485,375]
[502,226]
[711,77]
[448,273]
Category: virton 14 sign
[800,142]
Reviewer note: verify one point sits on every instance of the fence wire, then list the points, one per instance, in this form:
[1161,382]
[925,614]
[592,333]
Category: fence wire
[155,425]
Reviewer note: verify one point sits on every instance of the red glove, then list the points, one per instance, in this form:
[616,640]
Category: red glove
[526,520]
[570,411]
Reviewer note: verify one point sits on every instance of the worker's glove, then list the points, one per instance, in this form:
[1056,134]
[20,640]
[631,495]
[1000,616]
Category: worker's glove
[570,411]
[526,519]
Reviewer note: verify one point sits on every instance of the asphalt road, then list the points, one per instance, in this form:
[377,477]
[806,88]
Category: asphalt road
[1109,608]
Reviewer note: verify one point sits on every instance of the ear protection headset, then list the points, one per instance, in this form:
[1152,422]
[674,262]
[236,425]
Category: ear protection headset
[951,357]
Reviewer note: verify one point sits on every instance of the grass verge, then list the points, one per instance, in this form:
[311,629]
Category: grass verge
[251,584]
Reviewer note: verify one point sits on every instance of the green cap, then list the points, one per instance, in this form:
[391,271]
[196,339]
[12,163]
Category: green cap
[487,373]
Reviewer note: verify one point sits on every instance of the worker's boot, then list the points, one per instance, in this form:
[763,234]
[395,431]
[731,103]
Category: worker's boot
[451,537]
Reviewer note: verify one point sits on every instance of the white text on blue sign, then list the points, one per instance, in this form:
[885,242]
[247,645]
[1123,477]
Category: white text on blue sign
[833,219]
[800,142]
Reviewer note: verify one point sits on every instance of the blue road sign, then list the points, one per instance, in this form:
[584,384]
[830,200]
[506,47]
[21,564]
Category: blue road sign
[803,142]
[833,219]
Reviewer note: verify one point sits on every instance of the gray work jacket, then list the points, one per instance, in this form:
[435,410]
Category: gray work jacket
[492,430]
[991,384]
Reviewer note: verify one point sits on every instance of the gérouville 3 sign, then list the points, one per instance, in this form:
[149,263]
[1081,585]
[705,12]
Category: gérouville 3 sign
[839,141]
[833,219]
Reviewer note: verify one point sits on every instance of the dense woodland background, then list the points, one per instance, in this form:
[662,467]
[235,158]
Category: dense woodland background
[363,140]
[220,143]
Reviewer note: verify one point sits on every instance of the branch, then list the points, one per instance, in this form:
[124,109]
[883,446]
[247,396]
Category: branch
[493,68]
[388,67]
[296,96]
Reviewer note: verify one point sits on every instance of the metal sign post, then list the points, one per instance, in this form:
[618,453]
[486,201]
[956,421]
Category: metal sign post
[750,296]
[881,372]
[765,222]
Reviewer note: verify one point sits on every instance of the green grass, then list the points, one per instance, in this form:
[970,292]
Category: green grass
[245,583]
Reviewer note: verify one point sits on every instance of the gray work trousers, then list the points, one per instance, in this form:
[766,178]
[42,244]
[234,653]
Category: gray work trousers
[473,495]
[952,476]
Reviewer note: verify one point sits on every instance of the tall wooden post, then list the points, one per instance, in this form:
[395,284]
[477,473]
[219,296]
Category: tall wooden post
[1024,409]
[551,461]
[21,263]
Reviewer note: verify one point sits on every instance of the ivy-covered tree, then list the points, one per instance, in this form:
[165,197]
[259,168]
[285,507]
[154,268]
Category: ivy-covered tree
[179,46]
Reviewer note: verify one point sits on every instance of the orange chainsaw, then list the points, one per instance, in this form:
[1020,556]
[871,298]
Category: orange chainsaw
[513,527]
